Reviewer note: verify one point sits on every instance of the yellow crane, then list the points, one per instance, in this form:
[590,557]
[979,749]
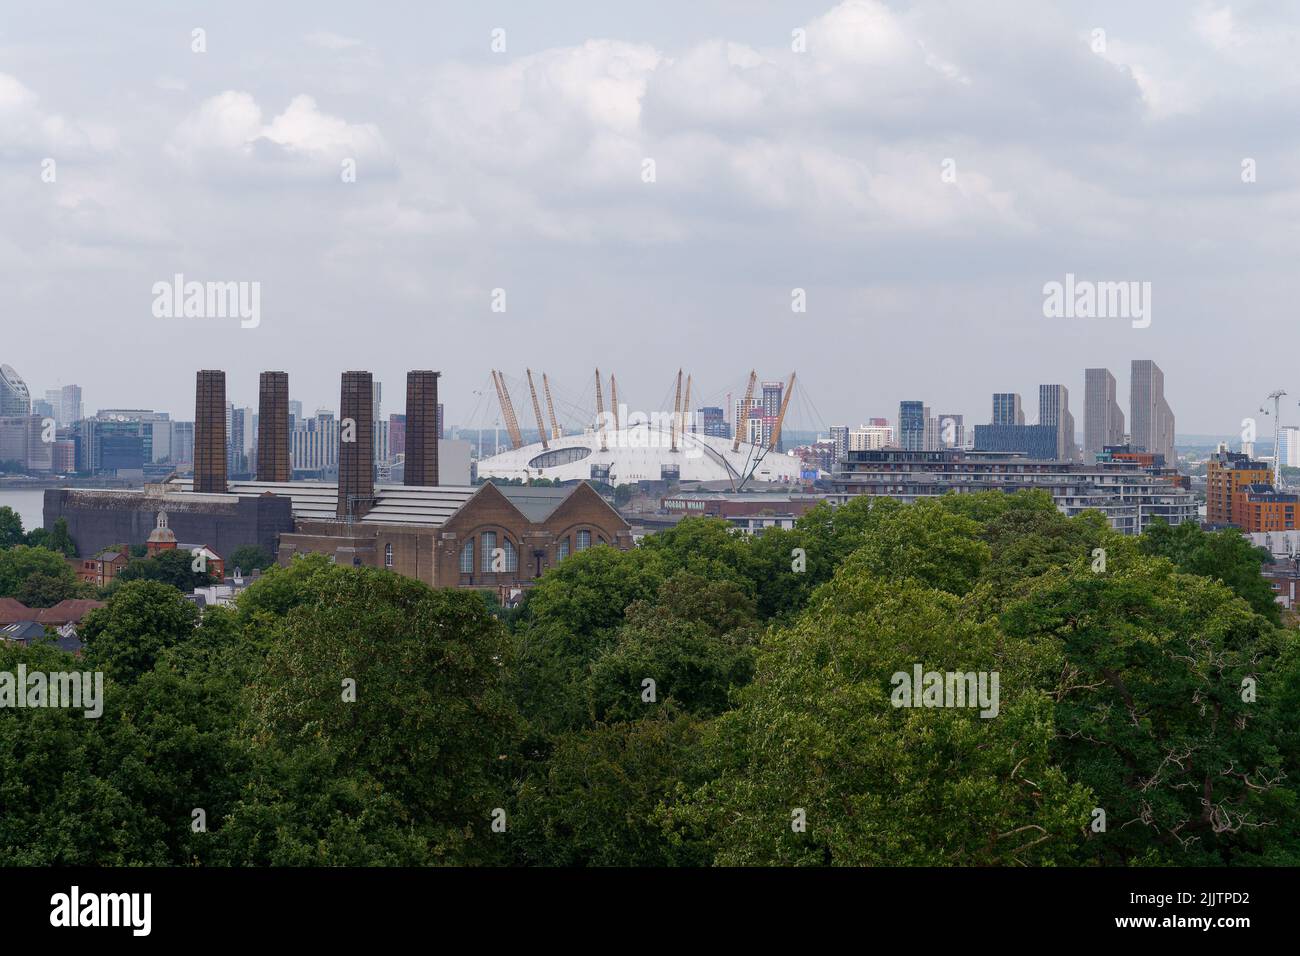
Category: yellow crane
[686,408]
[613,398]
[537,410]
[550,407]
[600,410]
[743,417]
[785,403]
[507,410]
[677,409]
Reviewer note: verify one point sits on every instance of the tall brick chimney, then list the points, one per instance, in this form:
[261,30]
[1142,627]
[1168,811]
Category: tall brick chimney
[356,457]
[273,427]
[421,428]
[210,433]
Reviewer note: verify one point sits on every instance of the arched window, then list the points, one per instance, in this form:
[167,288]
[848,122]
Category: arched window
[467,557]
[489,540]
[512,556]
[562,549]
[388,555]
[584,540]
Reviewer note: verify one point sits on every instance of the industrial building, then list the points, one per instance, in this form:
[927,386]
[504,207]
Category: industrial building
[446,536]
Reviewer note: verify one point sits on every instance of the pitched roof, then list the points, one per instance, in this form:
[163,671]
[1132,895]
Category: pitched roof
[535,504]
[70,611]
[12,611]
[23,631]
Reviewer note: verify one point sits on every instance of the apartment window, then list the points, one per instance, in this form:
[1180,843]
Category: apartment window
[388,555]
[467,557]
[584,540]
[489,539]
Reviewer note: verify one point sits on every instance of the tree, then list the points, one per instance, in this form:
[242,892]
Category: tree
[377,723]
[695,641]
[40,590]
[141,620]
[1152,708]
[20,562]
[924,542]
[57,539]
[816,765]
[249,558]
[1225,555]
[11,528]
[174,567]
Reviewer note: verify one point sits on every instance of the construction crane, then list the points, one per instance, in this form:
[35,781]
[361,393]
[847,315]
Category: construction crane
[780,418]
[744,409]
[508,410]
[537,410]
[550,407]
[677,409]
[600,410]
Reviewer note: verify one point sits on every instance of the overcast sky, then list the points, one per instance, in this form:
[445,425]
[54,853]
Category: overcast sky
[1112,158]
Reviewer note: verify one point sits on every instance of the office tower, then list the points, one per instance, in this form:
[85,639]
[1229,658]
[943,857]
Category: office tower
[1151,420]
[952,431]
[442,422]
[1103,422]
[932,442]
[43,409]
[70,410]
[1006,409]
[54,398]
[357,444]
[273,427]
[421,428]
[912,418]
[210,411]
[712,421]
[1054,412]
[15,399]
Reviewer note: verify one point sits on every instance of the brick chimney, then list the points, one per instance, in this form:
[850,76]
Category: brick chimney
[210,433]
[273,427]
[422,425]
[356,457]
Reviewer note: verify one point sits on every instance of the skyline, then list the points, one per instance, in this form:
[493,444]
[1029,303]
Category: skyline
[824,170]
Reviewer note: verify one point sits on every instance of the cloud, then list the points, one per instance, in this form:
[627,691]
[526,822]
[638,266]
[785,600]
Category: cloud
[228,133]
[27,130]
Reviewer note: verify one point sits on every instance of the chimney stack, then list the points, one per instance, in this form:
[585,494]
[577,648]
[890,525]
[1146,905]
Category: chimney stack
[422,426]
[356,457]
[210,433]
[273,427]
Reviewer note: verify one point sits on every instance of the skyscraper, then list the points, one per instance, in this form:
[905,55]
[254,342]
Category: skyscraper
[1151,420]
[911,425]
[1054,412]
[70,410]
[15,399]
[1006,409]
[1103,422]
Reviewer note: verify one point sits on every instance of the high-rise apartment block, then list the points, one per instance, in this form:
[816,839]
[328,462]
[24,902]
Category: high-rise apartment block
[1151,421]
[1103,421]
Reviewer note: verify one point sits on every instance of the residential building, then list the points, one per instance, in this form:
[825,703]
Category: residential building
[1151,421]
[1006,409]
[1103,421]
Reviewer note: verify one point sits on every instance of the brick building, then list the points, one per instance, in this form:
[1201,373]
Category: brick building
[1227,476]
[487,537]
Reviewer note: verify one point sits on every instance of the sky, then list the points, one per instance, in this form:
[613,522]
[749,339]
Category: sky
[649,184]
